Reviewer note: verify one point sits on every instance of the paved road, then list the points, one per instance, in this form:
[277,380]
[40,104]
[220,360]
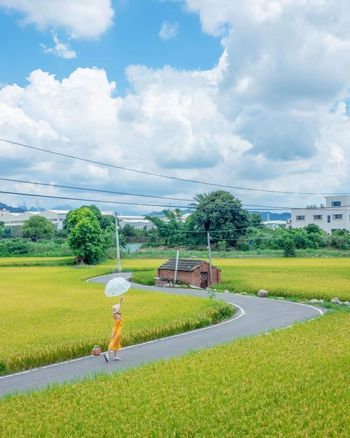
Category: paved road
[254,315]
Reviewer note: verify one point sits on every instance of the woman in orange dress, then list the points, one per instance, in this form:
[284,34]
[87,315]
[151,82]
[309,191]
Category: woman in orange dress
[117,331]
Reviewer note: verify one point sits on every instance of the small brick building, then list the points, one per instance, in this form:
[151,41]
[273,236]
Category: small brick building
[193,272]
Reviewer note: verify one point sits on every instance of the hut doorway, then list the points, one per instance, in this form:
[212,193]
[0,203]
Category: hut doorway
[204,280]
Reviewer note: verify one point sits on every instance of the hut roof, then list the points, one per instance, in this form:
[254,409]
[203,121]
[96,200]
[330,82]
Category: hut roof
[184,265]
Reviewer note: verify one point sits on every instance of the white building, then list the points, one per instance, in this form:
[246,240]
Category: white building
[273,225]
[334,215]
[135,221]
[57,217]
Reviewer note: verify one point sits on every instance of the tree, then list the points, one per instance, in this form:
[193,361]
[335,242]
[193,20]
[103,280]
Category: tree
[38,228]
[221,213]
[169,231]
[255,219]
[289,248]
[340,239]
[86,237]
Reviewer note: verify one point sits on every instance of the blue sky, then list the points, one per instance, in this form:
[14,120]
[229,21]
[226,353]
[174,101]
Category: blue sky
[133,39]
[252,94]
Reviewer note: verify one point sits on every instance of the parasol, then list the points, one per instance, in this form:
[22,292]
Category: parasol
[117,286]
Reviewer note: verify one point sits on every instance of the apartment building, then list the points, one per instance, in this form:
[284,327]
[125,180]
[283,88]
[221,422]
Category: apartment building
[57,217]
[333,215]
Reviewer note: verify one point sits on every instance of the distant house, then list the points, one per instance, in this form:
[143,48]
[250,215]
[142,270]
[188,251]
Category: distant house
[191,272]
[56,217]
[335,215]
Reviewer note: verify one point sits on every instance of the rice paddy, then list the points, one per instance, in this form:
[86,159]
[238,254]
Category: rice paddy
[293,278]
[50,313]
[291,383]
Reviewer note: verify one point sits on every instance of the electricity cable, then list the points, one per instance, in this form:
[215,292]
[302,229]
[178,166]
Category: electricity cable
[158,175]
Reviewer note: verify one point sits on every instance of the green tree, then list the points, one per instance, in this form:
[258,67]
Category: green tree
[86,237]
[340,239]
[221,213]
[170,230]
[255,219]
[289,248]
[38,228]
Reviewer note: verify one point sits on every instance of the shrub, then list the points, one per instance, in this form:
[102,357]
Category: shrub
[289,248]
[9,247]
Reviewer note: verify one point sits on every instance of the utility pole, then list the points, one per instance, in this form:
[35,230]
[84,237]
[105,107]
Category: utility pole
[209,258]
[117,242]
[176,266]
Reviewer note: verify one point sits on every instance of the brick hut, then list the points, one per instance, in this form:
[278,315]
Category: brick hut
[192,272]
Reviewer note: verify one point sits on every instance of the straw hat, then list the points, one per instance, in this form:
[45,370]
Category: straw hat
[116,308]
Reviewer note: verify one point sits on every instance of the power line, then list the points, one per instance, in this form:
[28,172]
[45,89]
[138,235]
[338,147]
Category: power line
[259,207]
[100,201]
[158,175]
[86,189]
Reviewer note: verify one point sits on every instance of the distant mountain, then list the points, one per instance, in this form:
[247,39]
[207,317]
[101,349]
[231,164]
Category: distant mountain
[36,209]
[62,207]
[267,215]
[11,209]
[161,213]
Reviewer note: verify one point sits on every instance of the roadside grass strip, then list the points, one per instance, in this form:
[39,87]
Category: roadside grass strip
[289,383]
[292,278]
[50,314]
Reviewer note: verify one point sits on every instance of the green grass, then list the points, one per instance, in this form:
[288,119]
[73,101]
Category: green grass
[35,261]
[49,313]
[322,278]
[292,383]
[164,252]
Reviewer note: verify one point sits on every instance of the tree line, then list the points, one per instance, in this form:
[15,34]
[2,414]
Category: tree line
[89,235]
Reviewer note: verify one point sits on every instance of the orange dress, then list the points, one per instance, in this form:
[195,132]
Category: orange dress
[118,330]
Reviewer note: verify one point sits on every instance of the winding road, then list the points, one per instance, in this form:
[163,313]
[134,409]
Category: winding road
[254,316]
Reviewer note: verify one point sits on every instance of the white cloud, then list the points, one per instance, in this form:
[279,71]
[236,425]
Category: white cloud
[273,113]
[79,18]
[60,49]
[169,30]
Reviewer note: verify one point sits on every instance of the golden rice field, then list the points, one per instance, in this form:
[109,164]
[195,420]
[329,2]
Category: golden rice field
[300,278]
[291,383]
[50,313]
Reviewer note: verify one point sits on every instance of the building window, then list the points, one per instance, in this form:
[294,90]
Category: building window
[317,217]
[337,216]
[336,204]
[300,218]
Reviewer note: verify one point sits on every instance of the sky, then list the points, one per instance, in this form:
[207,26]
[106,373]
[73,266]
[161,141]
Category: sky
[243,93]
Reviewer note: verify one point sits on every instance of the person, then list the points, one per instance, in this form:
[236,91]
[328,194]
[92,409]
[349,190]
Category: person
[115,343]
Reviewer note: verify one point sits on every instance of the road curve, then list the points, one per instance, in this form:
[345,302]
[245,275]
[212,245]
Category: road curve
[254,316]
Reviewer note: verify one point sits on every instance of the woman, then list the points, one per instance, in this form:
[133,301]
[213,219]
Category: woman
[117,331]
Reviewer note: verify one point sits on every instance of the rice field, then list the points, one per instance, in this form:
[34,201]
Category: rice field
[322,278]
[291,383]
[50,313]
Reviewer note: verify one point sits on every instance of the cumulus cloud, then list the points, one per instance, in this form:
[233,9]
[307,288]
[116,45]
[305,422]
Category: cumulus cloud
[288,62]
[79,18]
[272,114]
[169,123]
[169,30]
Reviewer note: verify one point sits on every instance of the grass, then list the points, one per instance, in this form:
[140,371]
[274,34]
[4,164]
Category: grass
[49,313]
[164,252]
[291,383]
[35,261]
[322,278]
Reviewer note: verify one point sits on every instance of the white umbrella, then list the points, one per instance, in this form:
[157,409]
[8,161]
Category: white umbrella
[117,286]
